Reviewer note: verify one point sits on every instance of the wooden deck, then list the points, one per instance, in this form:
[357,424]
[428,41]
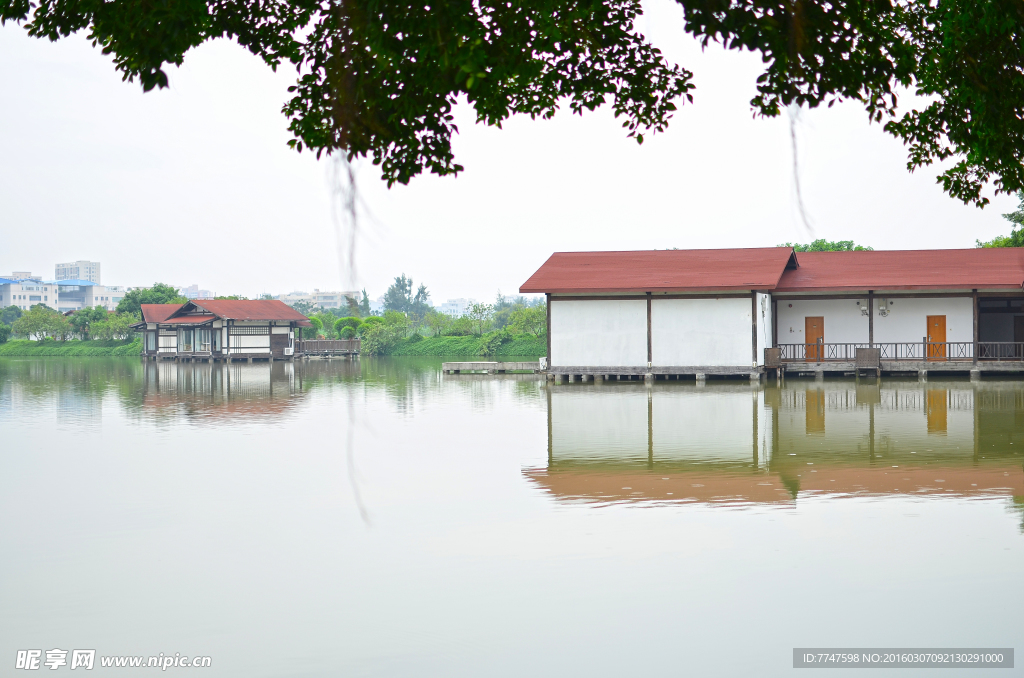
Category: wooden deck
[327,348]
[489,367]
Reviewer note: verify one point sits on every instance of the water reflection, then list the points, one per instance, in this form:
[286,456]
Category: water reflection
[737,445]
[76,391]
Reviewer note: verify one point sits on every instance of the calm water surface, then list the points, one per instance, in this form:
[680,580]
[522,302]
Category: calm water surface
[378,518]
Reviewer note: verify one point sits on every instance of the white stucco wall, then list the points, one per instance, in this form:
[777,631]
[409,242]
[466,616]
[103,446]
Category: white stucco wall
[701,332]
[844,323]
[599,333]
[908,319]
[906,322]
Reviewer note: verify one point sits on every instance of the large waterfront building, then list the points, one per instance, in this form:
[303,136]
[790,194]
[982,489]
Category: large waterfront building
[24,290]
[223,329]
[78,270]
[737,311]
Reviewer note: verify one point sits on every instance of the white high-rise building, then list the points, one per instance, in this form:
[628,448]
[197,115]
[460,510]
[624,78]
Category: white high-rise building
[337,299]
[78,270]
[456,307]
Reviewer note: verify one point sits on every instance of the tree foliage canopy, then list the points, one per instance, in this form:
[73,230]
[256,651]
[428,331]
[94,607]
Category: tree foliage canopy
[400,297]
[159,293]
[379,78]
[83,319]
[43,322]
[822,245]
[10,314]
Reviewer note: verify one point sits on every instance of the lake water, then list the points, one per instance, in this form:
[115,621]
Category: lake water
[378,518]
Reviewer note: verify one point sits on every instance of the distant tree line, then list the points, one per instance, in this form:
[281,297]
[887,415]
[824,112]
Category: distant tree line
[1016,237]
[41,322]
[822,245]
[409,316]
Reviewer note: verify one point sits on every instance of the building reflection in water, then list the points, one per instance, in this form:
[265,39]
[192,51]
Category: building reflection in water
[733,444]
[218,390]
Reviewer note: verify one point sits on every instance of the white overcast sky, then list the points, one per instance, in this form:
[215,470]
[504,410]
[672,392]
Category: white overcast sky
[195,184]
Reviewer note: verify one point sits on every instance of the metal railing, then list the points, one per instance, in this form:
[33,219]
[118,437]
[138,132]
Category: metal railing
[904,350]
[327,345]
[819,352]
[248,349]
[1000,350]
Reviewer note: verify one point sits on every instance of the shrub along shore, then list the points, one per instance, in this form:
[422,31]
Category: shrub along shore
[71,348]
[524,345]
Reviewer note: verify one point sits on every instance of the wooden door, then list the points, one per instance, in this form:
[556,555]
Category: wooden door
[278,343]
[814,335]
[936,333]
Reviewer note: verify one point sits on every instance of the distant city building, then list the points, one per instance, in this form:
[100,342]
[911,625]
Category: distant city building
[74,295]
[456,307]
[193,292]
[293,298]
[333,299]
[319,299]
[24,290]
[78,270]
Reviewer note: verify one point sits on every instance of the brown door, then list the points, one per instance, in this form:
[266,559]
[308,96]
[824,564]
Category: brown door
[936,337]
[278,343]
[814,335]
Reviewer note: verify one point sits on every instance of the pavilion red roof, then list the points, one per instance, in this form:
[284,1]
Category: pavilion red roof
[661,270]
[978,268]
[249,309]
[778,269]
[157,313]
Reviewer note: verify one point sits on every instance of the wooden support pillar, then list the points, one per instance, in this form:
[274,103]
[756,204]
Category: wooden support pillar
[650,356]
[775,323]
[974,351]
[550,362]
[753,325]
[871,318]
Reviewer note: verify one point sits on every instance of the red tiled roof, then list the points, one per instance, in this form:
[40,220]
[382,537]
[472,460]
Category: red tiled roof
[661,270]
[250,309]
[980,268]
[157,313]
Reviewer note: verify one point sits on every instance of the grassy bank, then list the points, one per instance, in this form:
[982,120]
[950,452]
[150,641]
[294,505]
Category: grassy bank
[74,348]
[526,345]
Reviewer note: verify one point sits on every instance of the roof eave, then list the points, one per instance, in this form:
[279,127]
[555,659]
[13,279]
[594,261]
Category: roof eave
[662,290]
[879,289]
